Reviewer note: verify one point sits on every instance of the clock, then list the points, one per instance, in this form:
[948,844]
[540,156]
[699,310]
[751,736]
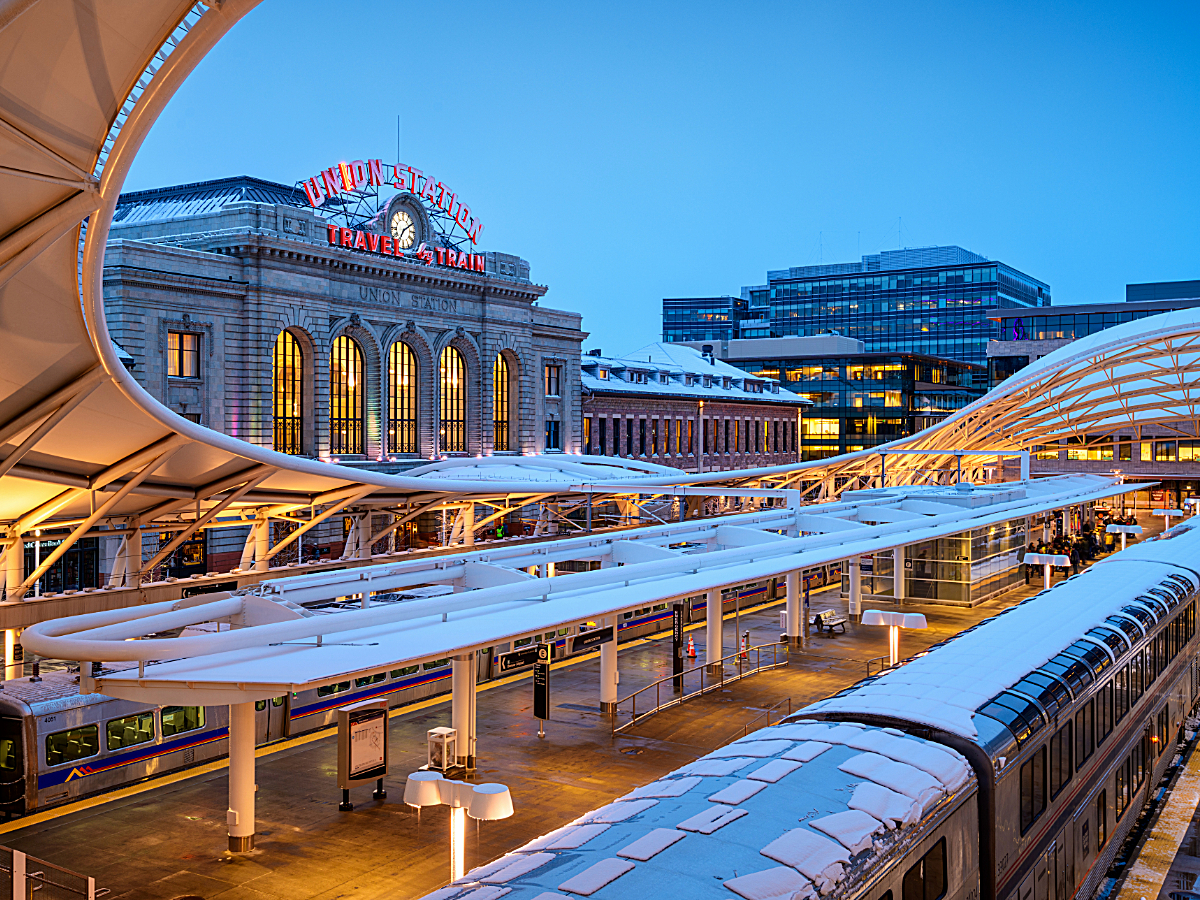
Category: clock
[404,230]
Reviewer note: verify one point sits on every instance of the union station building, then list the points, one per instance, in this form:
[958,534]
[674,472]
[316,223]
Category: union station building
[242,308]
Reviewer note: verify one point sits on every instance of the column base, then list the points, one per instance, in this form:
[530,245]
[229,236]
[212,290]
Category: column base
[716,670]
[794,641]
[241,844]
[608,709]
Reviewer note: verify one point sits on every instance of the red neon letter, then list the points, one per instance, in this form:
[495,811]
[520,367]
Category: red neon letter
[429,192]
[388,246]
[375,171]
[413,175]
[463,261]
[358,171]
[331,232]
[360,242]
[347,237]
[464,215]
[373,242]
[332,179]
[480,265]
[473,231]
[312,189]
[441,255]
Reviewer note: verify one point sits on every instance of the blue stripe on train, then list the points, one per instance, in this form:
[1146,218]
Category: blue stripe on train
[148,751]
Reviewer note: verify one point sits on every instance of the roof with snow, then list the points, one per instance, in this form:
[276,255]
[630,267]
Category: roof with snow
[792,810]
[675,370]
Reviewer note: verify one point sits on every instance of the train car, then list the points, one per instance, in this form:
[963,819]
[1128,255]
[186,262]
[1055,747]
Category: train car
[1007,762]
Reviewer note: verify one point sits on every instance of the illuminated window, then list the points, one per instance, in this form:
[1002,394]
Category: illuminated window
[453,401]
[345,397]
[287,408]
[402,399]
[183,355]
[500,404]
[553,381]
[820,429]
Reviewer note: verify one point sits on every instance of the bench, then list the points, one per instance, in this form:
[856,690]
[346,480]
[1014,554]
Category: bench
[827,620]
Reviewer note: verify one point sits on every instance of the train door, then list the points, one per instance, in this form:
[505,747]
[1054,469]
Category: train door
[1042,889]
[1025,892]
[270,719]
[12,766]
[1064,874]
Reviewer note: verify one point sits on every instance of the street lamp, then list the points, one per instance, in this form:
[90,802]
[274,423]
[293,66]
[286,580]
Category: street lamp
[1123,531]
[1166,514]
[1046,560]
[894,622]
[481,801]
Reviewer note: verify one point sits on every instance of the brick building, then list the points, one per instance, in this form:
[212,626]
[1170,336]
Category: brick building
[677,406]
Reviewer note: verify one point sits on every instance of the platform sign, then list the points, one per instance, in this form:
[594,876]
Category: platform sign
[518,659]
[590,640]
[541,680]
[362,742]
[677,611]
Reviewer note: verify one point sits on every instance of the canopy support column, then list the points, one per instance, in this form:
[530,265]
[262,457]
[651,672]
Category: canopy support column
[797,627]
[240,815]
[898,574]
[462,706]
[609,674]
[714,623]
[855,599]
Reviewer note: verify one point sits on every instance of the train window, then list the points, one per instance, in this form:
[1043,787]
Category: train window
[1101,819]
[1033,788]
[1061,746]
[660,606]
[927,879]
[1104,712]
[1128,628]
[1074,672]
[130,730]
[1168,598]
[435,664]
[1085,732]
[1163,728]
[1120,693]
[1155,604]
[178,719]
[333,689]
[1114,641]
[887,895]
[260,705]
[1023,718]
[1045,690]
[75,743]
[407,670]
[1140,613]
[523,642]
[1094,656]
[627,615]
[1137,676]
[562,632]
[278,701]
[370,679]
[1122,788]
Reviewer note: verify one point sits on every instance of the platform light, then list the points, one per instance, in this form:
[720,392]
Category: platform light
[487,802]
[894,622]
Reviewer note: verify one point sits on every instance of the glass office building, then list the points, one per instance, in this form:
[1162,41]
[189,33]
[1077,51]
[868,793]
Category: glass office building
[936,301]
[703,318]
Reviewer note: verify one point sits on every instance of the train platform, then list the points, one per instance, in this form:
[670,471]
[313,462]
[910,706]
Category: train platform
[165,839]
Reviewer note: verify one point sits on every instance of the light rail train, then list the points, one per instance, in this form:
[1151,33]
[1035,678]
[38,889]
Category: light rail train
[1008,762]
[57,746]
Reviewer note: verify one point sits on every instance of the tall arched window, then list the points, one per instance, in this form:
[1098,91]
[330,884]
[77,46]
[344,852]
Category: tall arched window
[500,404]
[453,393]
[402,399]
[287,410]
[345,397]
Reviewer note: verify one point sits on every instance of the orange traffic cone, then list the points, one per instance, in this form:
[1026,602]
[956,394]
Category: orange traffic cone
[691,647]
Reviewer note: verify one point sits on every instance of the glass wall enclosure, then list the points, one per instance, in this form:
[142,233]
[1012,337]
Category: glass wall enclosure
[963,569]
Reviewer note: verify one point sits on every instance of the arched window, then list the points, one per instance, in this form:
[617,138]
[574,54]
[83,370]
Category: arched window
[402,399]
[345,397]
[453,383]
[500,404]
[287,410]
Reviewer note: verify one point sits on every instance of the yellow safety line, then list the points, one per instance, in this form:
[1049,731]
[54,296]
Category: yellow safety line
[320,734]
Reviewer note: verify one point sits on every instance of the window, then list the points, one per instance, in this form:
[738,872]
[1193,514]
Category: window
[1104,712]
[819,429]
[1101,819]
[75,743]
[1033,788]
[641,437]
[587,436]
[178,719]
[407,670]
[927,879]
[130,730]
[370,679]
[453,394]
[1060,760]
[603,436]
[553,434]
[333,689]
[346,397]
[1085,734]
[402,399]
[435,664]
[500,404]
[689,437]
[287,411]
[183,354]
[553,381]
[628,436]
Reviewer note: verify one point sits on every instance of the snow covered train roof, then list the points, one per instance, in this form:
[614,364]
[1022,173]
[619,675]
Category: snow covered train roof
[794,810]
[945,686]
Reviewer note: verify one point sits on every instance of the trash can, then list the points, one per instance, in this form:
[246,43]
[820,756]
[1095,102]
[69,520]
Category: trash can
[442,745]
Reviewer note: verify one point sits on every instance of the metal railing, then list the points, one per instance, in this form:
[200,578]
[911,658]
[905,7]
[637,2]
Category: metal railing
[766,713]
[701,680]
[883,664]
[23,876]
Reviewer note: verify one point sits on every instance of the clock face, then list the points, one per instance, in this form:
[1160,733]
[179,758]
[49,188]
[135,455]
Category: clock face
[403,229]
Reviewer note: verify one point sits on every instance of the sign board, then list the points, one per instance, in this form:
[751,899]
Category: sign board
[677,610]
[362,742]
[518,659]
[541,681]
[589,640]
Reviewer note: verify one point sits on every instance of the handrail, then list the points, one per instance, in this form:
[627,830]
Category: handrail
[741,657]
[767,713]
[877,659]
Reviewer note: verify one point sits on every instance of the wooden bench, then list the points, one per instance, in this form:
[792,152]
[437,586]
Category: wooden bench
[827,620]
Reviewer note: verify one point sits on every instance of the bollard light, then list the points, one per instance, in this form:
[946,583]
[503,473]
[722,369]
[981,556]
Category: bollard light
[484,801]
[1166,514]
[894,622]
[490,802]
[1046,560]
[1124,531]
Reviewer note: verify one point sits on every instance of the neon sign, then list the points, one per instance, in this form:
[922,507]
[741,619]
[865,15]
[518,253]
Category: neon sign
[384,245]
[349,177]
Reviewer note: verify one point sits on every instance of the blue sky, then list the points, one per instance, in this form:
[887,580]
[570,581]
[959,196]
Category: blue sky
[635,151]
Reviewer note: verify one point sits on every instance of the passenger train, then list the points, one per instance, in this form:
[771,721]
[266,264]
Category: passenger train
[1008,762]
[57,746]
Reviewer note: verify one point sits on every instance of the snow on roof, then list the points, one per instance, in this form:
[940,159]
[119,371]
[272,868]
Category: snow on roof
[817,828]
[552,469]
[686,369]
[944,686]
